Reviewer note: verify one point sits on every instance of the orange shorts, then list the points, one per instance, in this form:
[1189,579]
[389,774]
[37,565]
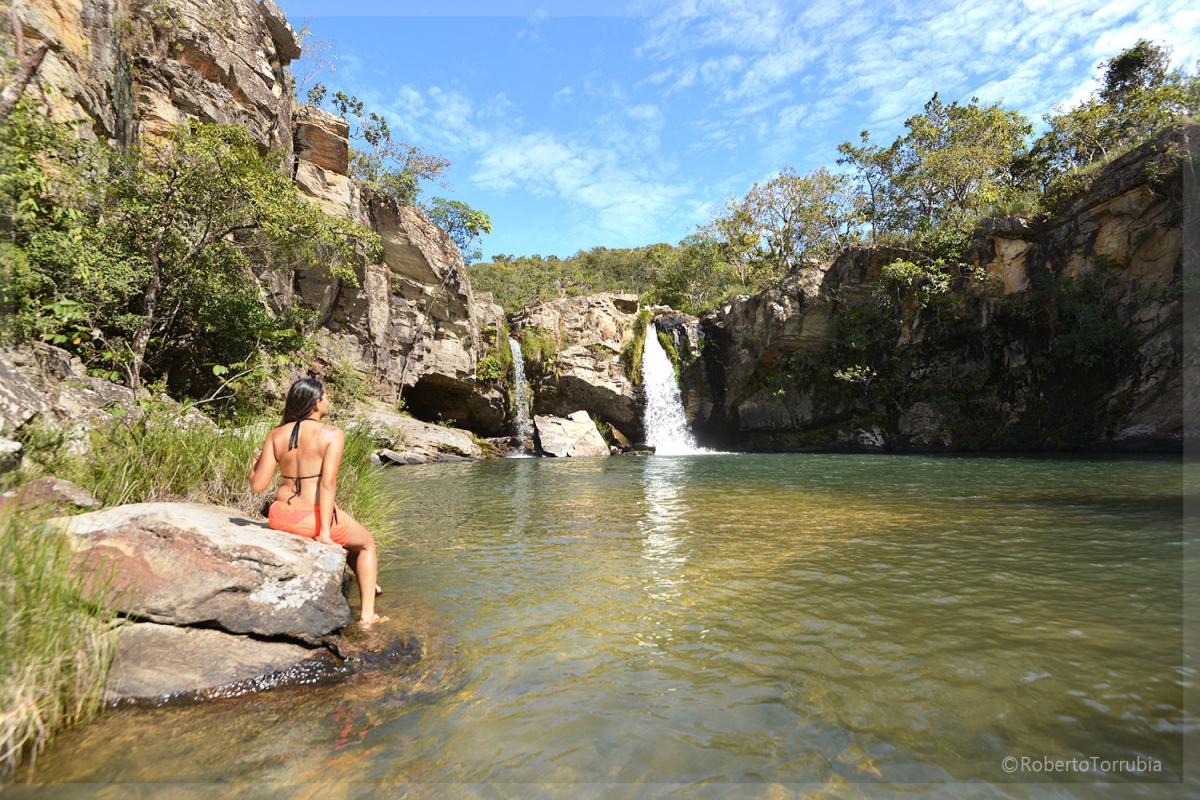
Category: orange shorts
[304,522]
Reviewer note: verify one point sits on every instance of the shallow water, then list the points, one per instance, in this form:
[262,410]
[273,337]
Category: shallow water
[738,625]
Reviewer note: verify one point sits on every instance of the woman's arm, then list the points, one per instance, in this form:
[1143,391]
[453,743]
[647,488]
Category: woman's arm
[264,467]
[326,490]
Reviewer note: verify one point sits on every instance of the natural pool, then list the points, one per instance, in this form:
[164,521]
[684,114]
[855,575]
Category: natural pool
[736,625]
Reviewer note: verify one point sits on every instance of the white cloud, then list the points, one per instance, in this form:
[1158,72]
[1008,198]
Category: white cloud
[613,195]
[887,60]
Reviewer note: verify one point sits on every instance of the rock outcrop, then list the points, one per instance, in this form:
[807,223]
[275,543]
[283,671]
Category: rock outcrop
[1072,341]
[46,384]
[49,493]
[575,357]
[575,436]
[216,605]
[406,440]
[192,564]
[156,664]
[128,72]
[412,319]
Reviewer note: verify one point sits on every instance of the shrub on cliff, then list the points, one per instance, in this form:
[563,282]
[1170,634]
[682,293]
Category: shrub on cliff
[142,262]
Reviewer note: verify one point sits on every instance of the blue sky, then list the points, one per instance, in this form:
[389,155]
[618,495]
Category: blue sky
[576,124]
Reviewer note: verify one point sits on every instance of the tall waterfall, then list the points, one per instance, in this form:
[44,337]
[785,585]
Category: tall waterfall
[665,423]
[520,391]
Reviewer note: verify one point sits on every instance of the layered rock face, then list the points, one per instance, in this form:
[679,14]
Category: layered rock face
[130,71]
[574,357]
[1018,369]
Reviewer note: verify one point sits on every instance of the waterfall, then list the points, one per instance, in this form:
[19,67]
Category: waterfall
[520,392]
[665,423]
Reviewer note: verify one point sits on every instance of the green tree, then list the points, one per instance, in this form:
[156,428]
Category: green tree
[957,160]
[142,261]
[874,173]
[1139,95]
[786,223]
[464,224]
[384,163]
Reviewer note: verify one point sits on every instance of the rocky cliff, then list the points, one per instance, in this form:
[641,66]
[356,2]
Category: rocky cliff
[577,357]
[1070,337]
[128,70]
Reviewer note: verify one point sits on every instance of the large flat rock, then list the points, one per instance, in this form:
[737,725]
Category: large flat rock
[574,436]
[409,440]
[160,663]
[192,564]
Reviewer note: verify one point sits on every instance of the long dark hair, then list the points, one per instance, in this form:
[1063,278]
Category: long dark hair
[302,399]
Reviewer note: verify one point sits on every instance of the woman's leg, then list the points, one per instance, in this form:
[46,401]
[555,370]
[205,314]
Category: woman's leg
[360,547]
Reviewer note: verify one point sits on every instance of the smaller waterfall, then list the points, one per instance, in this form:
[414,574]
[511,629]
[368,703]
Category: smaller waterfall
[666,424]
[521,425]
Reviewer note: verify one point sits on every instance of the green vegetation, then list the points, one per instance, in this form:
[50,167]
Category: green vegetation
[668,345]
[496,365]
[463,224]
[539,348]
[54,651]
[158,451]
[955,163]
[631,356]
[520,281]
[141,262]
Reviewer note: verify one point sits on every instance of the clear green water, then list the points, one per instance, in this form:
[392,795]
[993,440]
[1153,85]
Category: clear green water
[738,625]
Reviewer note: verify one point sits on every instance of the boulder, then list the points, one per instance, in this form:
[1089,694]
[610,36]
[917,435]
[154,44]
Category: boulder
[49,492]
[20,399]
[10,454]
[408,440]
[157,663]
[575,436]
[192,564]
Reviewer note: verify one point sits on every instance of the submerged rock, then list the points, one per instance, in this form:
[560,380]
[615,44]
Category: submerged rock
[575,436]
[191,564]
[160,663]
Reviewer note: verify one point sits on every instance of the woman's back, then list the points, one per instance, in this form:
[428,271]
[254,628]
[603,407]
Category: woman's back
[299,448]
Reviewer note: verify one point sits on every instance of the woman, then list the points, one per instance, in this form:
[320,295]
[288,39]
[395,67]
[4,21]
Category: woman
[308,454]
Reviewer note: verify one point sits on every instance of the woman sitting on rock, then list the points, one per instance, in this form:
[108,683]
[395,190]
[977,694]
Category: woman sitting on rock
[308,454]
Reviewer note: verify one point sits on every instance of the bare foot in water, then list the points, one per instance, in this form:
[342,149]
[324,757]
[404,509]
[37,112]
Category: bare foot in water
[367,622]
[378,590]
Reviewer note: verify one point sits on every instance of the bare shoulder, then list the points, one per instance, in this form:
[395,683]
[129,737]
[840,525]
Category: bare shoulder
[332,433]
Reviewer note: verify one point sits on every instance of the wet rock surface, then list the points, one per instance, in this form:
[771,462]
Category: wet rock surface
[156,664]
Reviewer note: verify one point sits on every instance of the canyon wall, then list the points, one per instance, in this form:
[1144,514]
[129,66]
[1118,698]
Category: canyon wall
[128,70]
[1070,338]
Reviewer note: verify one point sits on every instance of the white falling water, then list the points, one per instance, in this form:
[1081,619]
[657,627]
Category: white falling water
[520,391]
[665,423]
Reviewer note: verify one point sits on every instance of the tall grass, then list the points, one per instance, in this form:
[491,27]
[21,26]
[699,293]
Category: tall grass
[54,651]
[161,455]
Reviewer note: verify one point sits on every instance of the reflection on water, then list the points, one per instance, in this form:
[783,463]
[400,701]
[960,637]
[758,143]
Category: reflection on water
[739,625]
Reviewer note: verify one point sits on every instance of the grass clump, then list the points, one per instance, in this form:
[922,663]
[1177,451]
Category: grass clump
[54,651]
[539,348]
[632,354]
[163,454]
